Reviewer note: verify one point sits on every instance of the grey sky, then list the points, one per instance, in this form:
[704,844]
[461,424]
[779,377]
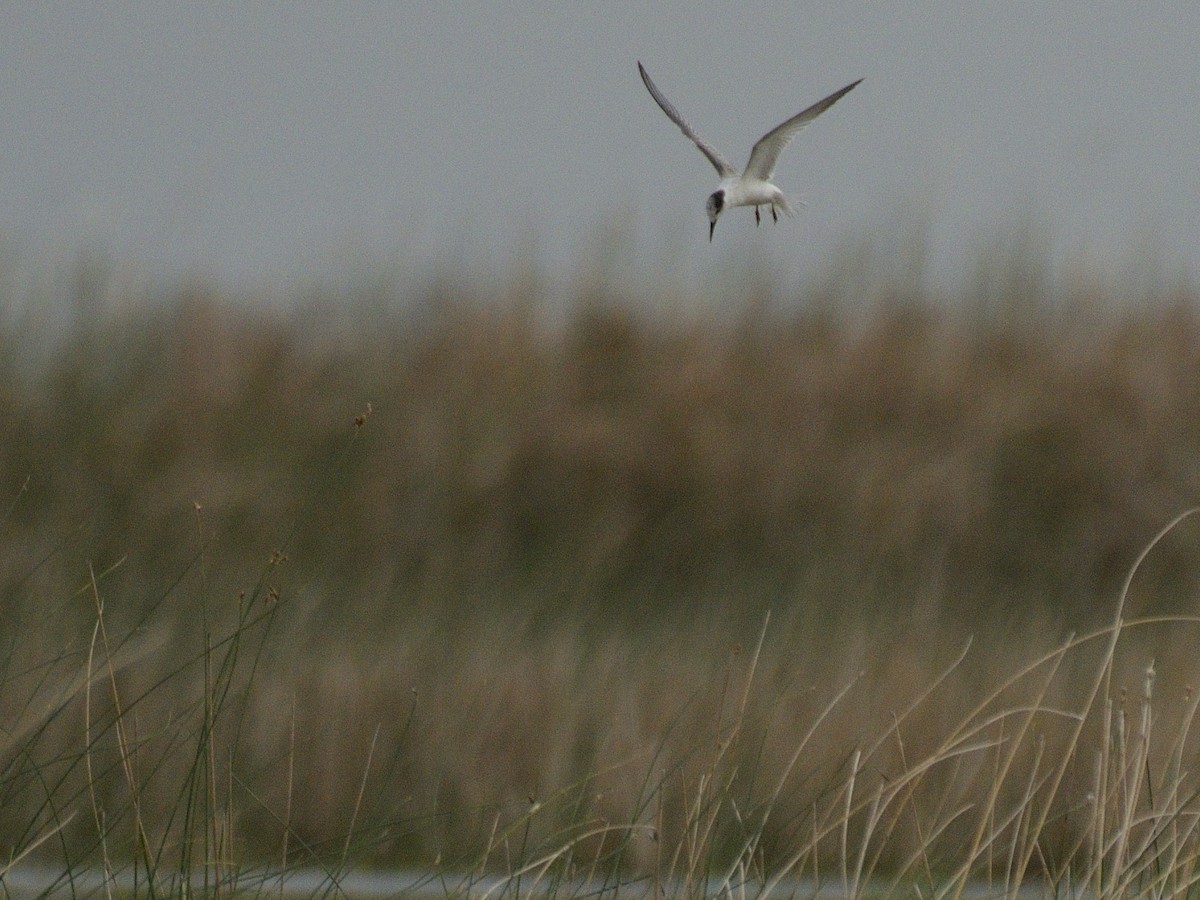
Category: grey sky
[254,141]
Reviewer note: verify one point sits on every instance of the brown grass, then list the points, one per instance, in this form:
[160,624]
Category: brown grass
[520,601]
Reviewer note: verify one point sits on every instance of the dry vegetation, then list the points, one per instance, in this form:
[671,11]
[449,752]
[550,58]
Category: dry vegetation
[517,608]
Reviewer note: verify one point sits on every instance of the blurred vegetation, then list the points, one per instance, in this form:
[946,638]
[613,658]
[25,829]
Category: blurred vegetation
[565,506]
[999,450]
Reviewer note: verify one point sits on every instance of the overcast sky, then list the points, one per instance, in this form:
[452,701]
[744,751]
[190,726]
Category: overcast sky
[266,140]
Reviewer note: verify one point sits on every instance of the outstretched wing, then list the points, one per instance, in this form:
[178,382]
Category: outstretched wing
[771,144]
[724,169]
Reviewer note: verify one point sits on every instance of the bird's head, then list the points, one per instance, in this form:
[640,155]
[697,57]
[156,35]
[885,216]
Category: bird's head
[714,206]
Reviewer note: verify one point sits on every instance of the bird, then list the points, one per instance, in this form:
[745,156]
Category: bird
[751,187]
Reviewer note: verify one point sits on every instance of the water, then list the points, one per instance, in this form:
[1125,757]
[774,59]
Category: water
[38,881]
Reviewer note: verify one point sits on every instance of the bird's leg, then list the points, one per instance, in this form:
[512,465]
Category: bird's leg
[774,216]
[756,218]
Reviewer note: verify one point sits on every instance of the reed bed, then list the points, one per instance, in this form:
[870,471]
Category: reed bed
[825,591]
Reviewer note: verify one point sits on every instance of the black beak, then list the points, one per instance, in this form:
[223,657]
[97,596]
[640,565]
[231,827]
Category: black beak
[711,226]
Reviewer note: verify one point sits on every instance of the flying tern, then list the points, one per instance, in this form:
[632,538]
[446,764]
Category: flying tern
[751,187]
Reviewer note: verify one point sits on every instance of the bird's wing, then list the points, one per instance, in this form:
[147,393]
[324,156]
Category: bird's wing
[724,169]
[771,144]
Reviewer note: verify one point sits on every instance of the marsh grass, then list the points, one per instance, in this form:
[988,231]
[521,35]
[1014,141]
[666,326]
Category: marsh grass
[785,598]
[1065,789]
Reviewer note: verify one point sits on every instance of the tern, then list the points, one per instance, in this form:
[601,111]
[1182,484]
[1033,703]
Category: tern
[753,186]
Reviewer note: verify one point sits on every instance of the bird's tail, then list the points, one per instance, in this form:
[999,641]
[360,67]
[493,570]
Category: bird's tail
[785,206]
